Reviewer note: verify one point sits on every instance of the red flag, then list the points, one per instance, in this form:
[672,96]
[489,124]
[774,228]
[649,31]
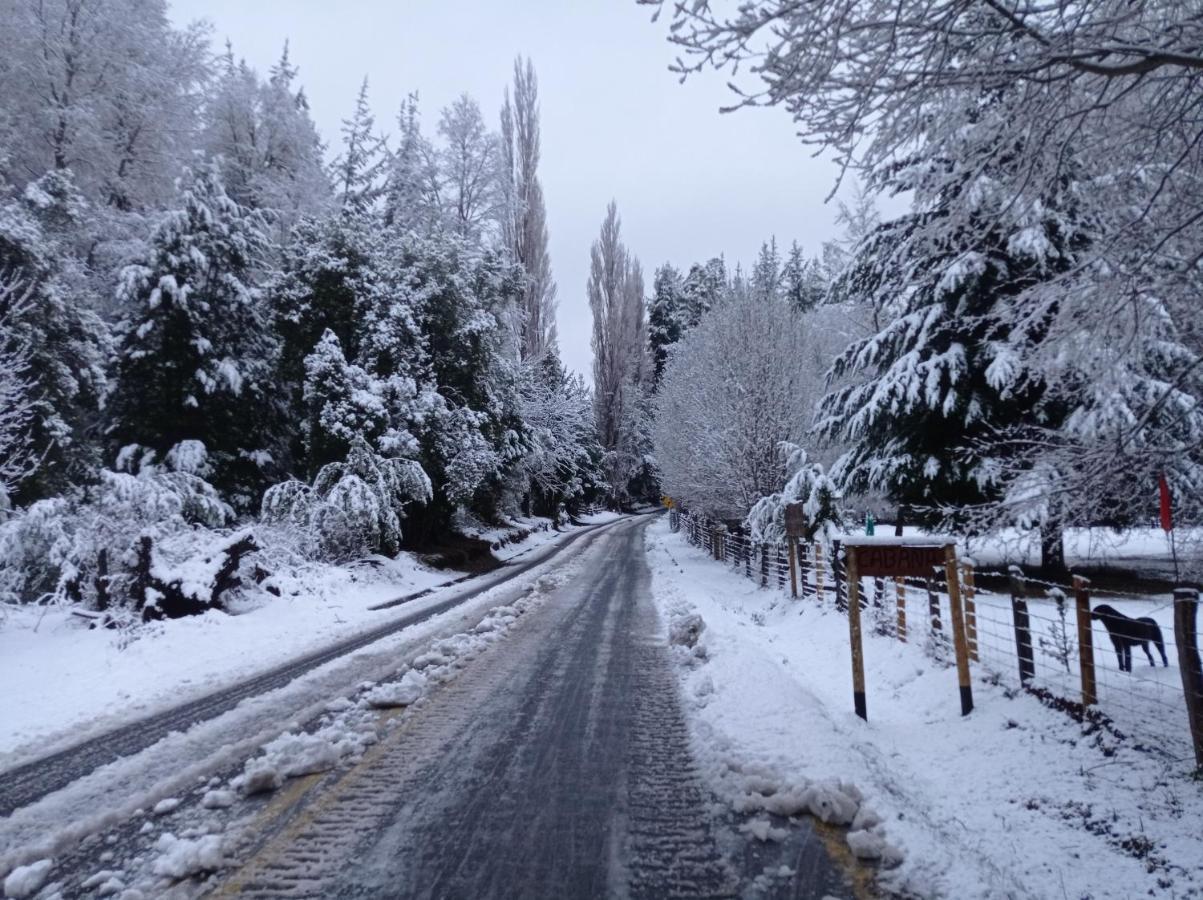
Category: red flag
[1163,487]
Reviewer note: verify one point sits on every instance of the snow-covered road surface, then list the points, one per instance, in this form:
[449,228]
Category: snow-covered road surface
[557,765]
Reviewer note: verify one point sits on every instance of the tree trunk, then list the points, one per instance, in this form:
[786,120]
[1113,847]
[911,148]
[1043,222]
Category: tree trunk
[1052,549]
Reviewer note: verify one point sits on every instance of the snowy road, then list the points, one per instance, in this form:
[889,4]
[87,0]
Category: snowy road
[556,765]
[27,783]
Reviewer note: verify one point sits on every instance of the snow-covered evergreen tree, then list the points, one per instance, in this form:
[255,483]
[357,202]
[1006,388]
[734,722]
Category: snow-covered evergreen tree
[411,192]
[802,281]
[944,392]
[51,323]
[360,169]
[196,357]
[664,318]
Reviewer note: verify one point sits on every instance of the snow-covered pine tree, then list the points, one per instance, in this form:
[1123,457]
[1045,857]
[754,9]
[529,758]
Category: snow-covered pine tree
[766,271]
[342,403]
[326,275]
[18,459]
[802,283]
[360,169]
[940,396]
[411,189]
[664,318]
[702,289]
[196,353]
[50,322]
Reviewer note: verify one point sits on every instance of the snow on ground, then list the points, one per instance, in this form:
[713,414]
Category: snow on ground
[1014,800]
[63,680]
[1144,548]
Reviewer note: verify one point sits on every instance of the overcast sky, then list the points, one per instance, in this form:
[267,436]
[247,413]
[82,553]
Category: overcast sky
[690,183]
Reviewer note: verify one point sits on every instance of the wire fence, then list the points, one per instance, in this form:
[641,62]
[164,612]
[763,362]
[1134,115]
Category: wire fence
[1052,639]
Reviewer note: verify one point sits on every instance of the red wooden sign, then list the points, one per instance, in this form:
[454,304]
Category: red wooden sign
[881,560]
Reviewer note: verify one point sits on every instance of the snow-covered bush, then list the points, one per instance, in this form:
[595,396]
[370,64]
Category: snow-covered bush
[106,546]
[807,484]
[353,508]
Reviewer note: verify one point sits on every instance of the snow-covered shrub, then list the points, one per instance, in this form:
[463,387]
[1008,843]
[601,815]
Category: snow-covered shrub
[354,507]
[30,543]
[807,484]
[124,542]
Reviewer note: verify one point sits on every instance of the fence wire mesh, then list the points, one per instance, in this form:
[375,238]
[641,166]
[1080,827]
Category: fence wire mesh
[1146,705]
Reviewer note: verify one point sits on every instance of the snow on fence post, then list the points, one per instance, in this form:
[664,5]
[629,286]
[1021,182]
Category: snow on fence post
[1023,628]
[1186,636]
[900,600]
[837,573]
[1090,695]
[970,598]
[854,630]
[793,566]
[958,629]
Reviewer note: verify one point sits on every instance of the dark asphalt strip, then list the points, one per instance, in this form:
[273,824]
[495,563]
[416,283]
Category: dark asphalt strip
[36,779]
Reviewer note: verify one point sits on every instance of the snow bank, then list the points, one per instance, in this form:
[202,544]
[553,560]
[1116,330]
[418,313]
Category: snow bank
[25,881]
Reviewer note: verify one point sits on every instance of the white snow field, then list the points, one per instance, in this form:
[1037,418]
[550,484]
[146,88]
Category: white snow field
[1013,801]
[65,681]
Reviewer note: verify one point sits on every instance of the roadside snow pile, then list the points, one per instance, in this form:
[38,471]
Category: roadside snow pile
[181,858]
[1014,800]
[685,631]
[294,754]
[405,692]
[753,788]
[25,881]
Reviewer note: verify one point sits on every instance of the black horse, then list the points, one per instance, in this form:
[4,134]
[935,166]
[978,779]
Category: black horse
[1126,632]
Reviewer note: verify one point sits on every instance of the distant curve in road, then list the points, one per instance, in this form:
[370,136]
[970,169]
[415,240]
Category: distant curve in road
[557,765]
[29,782]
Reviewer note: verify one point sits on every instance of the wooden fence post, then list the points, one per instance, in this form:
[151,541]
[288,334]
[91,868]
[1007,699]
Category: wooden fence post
[900,599]
[1023,629]
[836,574]
[933,606]
[854,634]
[1090,694]
[820,575]
[803,565]
[793,566]
[969,596]
[1186,636]
[764,565]
[958,629]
